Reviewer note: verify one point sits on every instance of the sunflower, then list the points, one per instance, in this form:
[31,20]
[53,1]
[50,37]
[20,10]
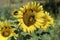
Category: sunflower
[30,16]
[48,20]
[6,31]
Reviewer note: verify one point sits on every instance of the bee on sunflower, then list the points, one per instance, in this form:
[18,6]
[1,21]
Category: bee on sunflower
[30,16]
[6,31]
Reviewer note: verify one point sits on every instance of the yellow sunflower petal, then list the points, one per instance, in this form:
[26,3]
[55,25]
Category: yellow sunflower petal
[38,4]
[3,38]
[40,7]
[37,25]
[22,9]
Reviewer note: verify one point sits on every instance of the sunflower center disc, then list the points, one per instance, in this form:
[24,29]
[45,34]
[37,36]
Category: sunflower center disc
[5,32]
[29,18]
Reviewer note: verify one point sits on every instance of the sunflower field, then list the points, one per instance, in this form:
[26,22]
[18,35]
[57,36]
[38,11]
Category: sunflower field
[29,19]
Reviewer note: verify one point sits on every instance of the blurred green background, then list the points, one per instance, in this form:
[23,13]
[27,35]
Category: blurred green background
[52,6]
